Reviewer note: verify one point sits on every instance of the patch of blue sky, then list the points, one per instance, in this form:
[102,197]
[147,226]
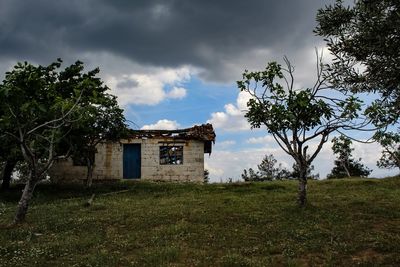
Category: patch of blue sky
[195,108]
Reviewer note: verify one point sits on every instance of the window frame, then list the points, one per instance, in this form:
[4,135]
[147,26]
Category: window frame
[171,155]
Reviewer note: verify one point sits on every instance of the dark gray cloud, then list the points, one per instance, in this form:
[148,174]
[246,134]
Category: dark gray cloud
[207,34]
[127,83]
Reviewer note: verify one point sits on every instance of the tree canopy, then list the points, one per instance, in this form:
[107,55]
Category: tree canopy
[41,105]
[100,119]
[269,169]
[297,117]
[391,150]
[364,39]
[345,164]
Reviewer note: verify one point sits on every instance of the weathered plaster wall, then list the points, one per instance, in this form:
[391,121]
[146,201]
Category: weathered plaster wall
[109,162]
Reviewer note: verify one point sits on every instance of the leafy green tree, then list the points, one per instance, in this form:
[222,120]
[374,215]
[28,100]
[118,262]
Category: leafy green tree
[267,169]
[39,106]
[364,39]
[296,172]
[391,150]
[283,174]
[345,164]
[245,176]
[100,120]
[250,175]
[341,147]
[297,116]
[365,34]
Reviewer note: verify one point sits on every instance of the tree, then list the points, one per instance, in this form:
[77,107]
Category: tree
[345,165]
[296,172]
[364,39]
[297,116]
[245,176]
[100,119]
[250,175]
[341,147]
[391,150]
[267,169]
[284,174]
[39,106]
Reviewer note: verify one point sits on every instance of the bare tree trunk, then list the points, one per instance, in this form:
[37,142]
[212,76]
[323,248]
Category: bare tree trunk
[302,194]
[346,169]
[89,176]
[26,197]
[90,167]
[8,170]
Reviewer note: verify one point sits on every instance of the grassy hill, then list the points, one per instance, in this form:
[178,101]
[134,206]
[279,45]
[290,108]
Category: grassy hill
[347,223]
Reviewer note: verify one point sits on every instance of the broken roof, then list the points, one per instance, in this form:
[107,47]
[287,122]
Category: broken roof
[204,132]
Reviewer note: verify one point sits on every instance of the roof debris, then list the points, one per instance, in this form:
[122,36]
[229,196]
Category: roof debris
[204,132]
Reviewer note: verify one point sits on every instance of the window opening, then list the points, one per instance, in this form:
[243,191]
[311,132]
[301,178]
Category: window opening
[171,155]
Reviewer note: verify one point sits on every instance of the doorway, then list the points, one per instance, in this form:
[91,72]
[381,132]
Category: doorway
[131,161]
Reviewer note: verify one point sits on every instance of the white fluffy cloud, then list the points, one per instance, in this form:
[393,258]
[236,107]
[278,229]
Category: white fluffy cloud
[149,87]
[177,93]
[225,144]
[260,140]
[232,119]
[214,171]
[162,125]
[224,164]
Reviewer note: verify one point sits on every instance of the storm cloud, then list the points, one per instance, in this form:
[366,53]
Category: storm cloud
[219,38]
[153,53]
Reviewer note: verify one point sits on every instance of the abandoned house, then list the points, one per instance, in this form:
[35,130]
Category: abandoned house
[161,155]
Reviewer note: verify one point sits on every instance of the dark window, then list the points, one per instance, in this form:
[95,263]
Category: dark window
[171,155]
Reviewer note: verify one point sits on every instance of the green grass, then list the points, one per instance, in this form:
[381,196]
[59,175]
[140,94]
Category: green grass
[347,223]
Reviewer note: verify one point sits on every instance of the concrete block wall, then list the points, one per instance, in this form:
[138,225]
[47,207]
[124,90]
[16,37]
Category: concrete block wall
[63,171]
[109,162]
[191,170]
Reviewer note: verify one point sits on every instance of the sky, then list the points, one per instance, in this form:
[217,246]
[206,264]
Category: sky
[175,63]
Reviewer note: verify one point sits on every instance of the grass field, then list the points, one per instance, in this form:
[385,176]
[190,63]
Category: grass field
[347,223]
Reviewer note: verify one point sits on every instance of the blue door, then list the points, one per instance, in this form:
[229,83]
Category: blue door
[131,161]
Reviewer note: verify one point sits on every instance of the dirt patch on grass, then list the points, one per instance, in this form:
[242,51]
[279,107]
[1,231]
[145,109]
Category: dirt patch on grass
[367,255]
